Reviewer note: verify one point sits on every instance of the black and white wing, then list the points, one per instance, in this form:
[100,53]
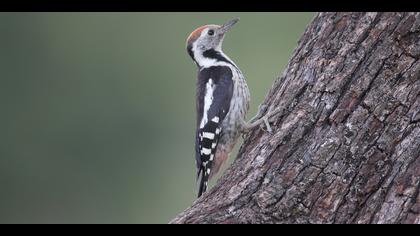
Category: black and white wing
[214,93]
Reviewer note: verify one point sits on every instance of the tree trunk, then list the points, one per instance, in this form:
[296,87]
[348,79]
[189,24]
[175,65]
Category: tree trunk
[346,146]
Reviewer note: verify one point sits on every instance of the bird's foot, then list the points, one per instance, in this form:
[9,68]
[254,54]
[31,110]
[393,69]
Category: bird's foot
[248,126]
[260,120]
[262,108]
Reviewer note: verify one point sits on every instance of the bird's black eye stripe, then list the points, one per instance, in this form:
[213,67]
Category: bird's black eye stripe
[211,32]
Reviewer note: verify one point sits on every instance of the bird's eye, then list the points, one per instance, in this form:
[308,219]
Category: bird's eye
[211,32]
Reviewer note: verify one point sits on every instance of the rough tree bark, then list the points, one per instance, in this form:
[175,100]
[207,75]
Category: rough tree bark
[346,147]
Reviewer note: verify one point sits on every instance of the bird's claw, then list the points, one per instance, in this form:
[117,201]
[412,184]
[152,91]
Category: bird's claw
[267,125]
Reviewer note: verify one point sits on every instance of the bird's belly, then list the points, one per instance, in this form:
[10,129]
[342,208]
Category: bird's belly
[231,125]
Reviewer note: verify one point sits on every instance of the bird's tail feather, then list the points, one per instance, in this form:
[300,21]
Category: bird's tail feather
[202,180]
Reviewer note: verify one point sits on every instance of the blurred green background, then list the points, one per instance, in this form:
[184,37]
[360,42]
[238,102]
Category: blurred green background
[97,109]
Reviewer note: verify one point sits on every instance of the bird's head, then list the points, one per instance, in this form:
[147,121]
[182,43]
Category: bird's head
[208,37]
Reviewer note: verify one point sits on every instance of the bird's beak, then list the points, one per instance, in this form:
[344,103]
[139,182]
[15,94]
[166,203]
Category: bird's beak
[226,26]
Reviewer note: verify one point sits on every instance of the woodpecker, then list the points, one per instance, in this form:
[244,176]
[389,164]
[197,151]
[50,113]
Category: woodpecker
[222,100]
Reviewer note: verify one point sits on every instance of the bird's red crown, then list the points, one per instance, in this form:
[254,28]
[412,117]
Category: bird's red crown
[195,34]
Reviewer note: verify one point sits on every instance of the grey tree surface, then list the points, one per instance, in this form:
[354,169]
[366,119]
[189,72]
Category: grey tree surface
[345,147]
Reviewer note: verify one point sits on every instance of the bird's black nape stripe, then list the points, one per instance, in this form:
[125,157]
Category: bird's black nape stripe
[190,51]
[213,54]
